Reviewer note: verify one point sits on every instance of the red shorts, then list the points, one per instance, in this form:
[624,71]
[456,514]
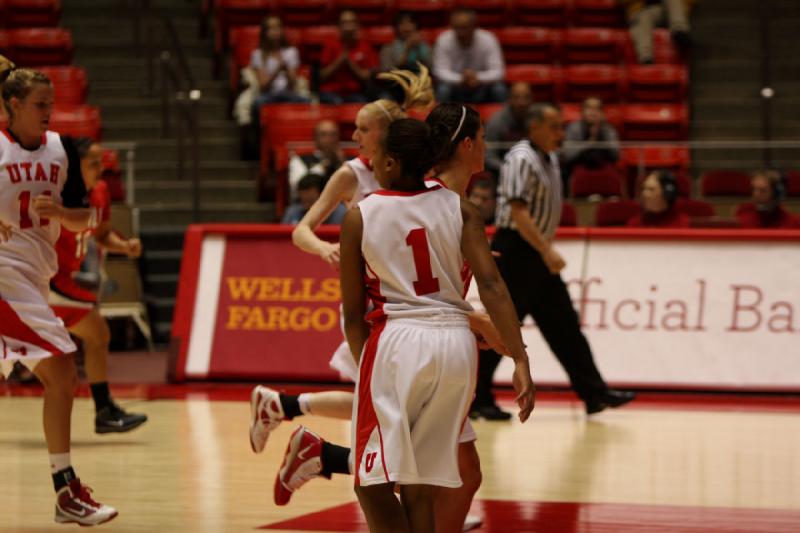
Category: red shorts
[70,301]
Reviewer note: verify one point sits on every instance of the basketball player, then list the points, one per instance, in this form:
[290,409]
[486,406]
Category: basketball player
[77,307]
[404,248]
[40,190]
[463,150]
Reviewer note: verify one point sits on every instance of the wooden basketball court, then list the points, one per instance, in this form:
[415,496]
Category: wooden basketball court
[662,464]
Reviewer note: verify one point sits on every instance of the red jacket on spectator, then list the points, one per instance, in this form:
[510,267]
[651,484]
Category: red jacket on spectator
[671,218]
[343,81]
[750,217]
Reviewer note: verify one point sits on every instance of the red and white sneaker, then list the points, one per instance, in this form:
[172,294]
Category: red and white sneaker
[266,414]
[74,504]
[301,463]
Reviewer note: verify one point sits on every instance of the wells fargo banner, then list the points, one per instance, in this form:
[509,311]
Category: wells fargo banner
[702,309]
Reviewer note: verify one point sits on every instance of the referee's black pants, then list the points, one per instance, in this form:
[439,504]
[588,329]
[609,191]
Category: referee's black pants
[544,296]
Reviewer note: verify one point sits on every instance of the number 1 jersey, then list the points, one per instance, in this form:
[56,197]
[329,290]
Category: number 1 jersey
[411,245]
[53,169]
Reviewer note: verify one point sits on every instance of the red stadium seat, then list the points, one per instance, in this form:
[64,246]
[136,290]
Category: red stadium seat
[78,121]
[230,13]
[5,43]
[70,84]
[616,212]
[305,12]
[487,111]
[29,13]
[529,45]
[545,81]
[549,13]
[664,50]
[636,163]
[725,183]
[242,41]
[603,181]
[429,13]
[378,36]
[429,35]
[655,122]
[34,47]
[792,183]
[346,118]
[592,45]
[657,83]
[491,13]
[287,123]
[606,82]
[313,40]
[695,208]
[597,13]
[569,216]
[370,12]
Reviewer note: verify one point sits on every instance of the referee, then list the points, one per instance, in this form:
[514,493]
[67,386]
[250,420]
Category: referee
[528,211]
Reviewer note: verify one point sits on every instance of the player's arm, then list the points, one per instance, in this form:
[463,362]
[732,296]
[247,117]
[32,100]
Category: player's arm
[495,298]
[114,242]
[351,274]
[73,218]
[340,188]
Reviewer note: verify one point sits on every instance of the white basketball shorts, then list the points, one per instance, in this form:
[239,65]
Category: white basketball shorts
[29,329]
[416,382]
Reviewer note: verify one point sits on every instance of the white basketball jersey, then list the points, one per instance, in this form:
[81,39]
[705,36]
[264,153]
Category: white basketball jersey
[411,245]
[24,175]
[367,184]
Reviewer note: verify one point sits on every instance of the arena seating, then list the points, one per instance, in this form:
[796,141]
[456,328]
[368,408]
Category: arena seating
[29,13]
[725,183]
[35,47]
[616,212]
[603,181]
[70,84]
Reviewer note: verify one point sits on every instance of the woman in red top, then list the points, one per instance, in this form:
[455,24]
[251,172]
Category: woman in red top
[659,193]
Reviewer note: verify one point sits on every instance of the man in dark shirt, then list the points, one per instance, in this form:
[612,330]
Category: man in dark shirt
[508,125]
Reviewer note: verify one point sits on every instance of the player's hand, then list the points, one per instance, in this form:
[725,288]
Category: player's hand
[523,386]
[330,254]
[46,207]
[5,231]
[134,248]
[487,335]
[555,263]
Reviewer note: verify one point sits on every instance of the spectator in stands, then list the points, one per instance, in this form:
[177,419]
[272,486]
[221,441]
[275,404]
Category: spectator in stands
[509,125]
[483,195]
[766,210]
[644,15]
[275,64]
[591,128]
[658,197]
[468,62]
[323,161]
[408,48]
[347,64]
[308,191]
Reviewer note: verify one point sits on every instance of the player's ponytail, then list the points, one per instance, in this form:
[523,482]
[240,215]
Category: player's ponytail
[416,88]
[17,82]
[409,141]
[457,122]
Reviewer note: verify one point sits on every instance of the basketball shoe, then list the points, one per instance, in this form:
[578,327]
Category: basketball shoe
[266,414]
[74,504]
[301,463]
[114,419]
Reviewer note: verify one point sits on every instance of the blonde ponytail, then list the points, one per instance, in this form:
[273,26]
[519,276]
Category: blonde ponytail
[418,95]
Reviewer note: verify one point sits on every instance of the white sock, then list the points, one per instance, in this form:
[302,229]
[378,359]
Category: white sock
[302,399]
[59,461]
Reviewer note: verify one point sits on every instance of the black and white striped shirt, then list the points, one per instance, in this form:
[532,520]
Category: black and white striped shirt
[534,178]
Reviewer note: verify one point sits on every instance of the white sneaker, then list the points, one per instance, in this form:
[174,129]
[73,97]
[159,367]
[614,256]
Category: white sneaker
[301,463]
[74,505]
[266,414]
[471,522]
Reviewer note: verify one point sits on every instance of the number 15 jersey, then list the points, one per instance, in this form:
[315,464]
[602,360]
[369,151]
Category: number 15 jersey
[53,169]
[411,245]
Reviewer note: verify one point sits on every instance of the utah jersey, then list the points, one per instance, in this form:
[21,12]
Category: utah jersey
[53,170]
[367,184]
[411,245]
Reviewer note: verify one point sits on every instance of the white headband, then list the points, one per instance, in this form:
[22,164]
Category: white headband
[385,111]
[460,123]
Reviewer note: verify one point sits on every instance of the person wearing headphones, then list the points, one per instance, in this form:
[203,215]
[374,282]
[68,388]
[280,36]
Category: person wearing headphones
[766,209]
[658,197]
